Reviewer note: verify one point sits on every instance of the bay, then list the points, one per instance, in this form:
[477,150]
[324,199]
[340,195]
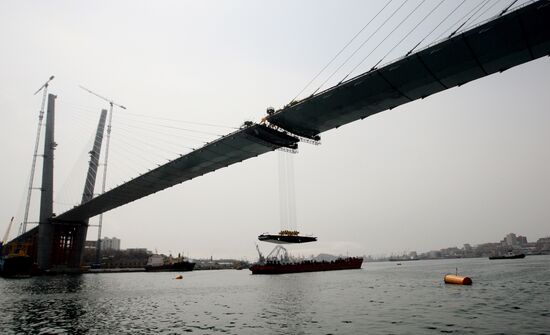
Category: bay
[507,297]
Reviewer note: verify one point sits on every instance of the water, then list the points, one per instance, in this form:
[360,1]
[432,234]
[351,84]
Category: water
[507,297]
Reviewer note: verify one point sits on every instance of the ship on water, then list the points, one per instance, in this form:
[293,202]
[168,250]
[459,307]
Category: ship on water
[157,263]
[279,261]
[15,261]
[508,255]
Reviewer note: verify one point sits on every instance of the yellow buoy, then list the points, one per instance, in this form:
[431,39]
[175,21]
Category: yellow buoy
[458,280]
[179,277]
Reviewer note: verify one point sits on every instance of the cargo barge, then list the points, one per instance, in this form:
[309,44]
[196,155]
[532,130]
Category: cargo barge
[279,261]
[276,267]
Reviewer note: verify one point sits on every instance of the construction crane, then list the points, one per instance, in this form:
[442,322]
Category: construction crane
[112,104]
[43,88]
[7,234]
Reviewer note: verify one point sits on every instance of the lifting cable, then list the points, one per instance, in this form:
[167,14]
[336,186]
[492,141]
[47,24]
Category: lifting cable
[410,31]
[287,198]
[379,44]
[342,50]
[361,46]
[440,23]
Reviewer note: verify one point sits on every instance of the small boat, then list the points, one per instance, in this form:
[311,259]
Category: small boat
[157,263]
[508,255]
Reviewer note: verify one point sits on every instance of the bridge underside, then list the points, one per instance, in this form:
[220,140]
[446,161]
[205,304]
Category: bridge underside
[243,144]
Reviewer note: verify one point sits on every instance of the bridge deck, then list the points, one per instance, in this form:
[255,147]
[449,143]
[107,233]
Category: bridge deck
[513,39]
[233,148]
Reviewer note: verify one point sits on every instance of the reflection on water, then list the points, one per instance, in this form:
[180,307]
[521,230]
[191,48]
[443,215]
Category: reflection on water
[508,297]
[59,313]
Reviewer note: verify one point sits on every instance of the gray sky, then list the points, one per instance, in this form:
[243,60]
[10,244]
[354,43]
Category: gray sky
[468,165]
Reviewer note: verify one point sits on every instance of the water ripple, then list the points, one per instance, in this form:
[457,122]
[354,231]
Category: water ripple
[506,298]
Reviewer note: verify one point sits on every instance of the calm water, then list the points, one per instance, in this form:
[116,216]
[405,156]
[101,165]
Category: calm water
[508,297]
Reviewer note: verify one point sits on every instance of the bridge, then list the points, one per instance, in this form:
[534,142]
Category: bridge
[509,40]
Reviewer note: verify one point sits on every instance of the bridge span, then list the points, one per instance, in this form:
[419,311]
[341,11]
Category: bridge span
[495,46]
[507,41]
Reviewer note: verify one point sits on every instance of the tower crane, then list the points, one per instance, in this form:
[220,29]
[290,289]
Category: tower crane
[43,88]
[112,104]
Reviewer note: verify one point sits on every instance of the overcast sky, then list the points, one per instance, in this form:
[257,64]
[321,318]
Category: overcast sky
[467,165]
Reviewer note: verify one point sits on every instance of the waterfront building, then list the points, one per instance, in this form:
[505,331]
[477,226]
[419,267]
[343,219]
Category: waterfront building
[110,243]
[512,240]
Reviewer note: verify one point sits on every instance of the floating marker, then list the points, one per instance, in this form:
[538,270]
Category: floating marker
[458,280]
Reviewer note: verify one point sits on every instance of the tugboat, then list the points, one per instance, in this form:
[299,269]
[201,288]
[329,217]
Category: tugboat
[157,263]
[508,255]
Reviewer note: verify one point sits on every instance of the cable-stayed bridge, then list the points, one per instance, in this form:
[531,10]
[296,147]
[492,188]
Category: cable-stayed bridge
[508,40]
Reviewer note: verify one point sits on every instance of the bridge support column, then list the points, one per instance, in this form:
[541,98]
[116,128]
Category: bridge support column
[67,246]
[45,227]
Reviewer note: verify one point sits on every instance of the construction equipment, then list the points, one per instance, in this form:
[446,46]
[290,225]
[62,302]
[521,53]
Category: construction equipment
[106,159]
[7,234]
[43,88]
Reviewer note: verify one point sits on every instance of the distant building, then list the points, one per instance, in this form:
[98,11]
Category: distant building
[138,250]
[543,245]
[110,243]
[90,245]
[510,240]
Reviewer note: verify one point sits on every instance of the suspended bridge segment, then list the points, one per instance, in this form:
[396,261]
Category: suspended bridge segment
[495,46]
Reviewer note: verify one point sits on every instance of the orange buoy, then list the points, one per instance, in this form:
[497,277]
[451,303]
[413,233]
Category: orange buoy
[179,277]
[458,280]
